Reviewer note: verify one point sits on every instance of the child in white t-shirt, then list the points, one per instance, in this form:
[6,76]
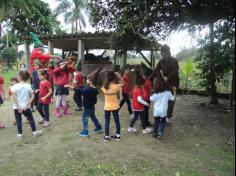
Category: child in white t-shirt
[23,96]
[161,97]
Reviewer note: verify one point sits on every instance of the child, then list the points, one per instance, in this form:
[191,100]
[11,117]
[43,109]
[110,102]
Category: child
[62,77]
[13,81]
[35,83]
[23,96]
[2,96]
[146,97]
[161,97]
[111,87]
[89,93]
[126,92]
[45,92]
[138,105]
[2,92]
[51,76]
[78,83]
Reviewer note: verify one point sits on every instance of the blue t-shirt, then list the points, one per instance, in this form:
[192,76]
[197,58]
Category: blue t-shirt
[89,96]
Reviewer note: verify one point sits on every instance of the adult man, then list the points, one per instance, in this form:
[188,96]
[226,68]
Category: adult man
[168,69]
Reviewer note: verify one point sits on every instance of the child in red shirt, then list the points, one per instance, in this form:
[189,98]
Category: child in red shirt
[51,76]
[45,91]
[2,92]
[146,97]
[2,96]
[62,77]
[126,92]
[78,83]
[139,105]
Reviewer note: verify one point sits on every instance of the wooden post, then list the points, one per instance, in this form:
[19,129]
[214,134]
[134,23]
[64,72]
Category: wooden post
[115,58]
[27,53]
[81,49]
[124,58]
[63,54]
[153,59]
[50,48]
[144,57]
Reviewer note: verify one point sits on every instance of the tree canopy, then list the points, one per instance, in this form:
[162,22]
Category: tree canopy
[135,20]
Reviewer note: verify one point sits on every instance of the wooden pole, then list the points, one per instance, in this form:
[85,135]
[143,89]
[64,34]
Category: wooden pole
[27,53]
[144,57]
[115,57]
[81,49]
[50,48]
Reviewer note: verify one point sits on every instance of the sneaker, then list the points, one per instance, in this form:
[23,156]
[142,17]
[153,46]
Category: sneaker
[116,137]
[83,133]
[168,121]
[131,116]
[41,122]
[45,125]
[106,138]
[155,136]
[19,136]
[160,135]
[58,113]
[79,109]
[147,130]
[66,111]
[132,130]
[1,125]
[98,130]
[37,133]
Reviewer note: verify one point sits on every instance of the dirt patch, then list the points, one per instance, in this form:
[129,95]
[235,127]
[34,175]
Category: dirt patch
[201,141]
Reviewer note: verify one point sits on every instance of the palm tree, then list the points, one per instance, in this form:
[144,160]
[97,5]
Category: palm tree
[74,12]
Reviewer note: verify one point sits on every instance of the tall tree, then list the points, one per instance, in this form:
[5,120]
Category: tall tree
[74,13]
[9,7]
[42,21]
[135,20]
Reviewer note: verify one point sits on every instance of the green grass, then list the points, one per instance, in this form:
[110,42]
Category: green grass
[7,76]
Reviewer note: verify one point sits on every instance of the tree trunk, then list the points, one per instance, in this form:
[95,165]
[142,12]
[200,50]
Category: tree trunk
[72,28]
[0,30]
[232,97]
[213,88]
[186,84]
[76,26]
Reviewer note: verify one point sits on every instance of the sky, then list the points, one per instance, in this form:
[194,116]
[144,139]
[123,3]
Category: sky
[177,40]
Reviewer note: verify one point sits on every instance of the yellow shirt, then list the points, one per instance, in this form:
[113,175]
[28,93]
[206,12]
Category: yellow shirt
[111,100]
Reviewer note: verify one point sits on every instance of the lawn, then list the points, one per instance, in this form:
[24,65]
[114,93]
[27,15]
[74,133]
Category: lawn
[7,76]
[200,142]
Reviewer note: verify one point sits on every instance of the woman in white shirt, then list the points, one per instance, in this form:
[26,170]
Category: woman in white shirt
[161,97]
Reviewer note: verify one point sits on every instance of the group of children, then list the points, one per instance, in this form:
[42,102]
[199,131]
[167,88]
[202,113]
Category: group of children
[40,94]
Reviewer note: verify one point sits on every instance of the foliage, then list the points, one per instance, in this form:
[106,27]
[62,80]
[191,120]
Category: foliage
[74,12]
[21,54]
[10,38]
[8,7]
[9,55]
[133,21]
[42,21]
[215,68]
[187,70]
[187,53]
